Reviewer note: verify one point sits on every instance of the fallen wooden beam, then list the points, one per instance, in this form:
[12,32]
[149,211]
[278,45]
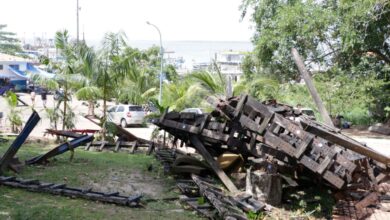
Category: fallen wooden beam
[213,164]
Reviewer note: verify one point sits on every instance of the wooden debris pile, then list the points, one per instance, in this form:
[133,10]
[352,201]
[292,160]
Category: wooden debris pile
[279,140]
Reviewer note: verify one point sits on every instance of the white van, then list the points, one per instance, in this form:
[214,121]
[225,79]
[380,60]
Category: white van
[125,115]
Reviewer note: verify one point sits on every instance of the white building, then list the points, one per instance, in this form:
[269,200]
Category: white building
[229,63]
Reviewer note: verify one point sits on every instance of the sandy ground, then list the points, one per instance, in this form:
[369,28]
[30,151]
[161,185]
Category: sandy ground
[78,107]
[380,143]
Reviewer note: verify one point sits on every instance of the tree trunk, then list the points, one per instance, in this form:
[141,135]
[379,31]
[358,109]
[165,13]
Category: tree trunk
[91,107]
[65,101]
[104,110]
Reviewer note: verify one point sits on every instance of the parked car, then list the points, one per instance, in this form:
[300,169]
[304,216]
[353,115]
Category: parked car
[125,115]
[309,112]
[198,111]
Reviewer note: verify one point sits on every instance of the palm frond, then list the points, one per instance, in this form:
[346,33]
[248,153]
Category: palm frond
[212,82]
[88,93]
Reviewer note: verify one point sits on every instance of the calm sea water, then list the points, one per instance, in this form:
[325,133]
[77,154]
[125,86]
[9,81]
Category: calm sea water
[195,51]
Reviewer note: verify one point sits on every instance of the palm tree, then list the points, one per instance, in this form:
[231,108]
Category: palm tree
[88,68]
[68,76]
[110,71]
[8,43]
[90,94]
[187,93]
[136,92]
[14,114]
[262,87]
[214,83]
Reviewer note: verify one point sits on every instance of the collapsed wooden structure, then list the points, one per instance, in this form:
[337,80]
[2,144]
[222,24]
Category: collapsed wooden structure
[283,139]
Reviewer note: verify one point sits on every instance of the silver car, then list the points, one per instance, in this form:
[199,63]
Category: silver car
[125,115]
[198,111]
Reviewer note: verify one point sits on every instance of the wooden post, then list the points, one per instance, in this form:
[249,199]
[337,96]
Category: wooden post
[164,139]
[88,146]
[312,89]
[118,145]
[213,164]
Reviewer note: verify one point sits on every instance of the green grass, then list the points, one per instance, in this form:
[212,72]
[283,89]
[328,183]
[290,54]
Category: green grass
[310,202]
[86,169]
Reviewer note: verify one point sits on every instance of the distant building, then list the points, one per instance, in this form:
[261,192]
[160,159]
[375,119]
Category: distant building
[229,63]
[18,70]
[204,66]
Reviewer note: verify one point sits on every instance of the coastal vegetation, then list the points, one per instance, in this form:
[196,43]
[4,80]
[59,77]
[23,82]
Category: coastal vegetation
[8,42]
[345,44]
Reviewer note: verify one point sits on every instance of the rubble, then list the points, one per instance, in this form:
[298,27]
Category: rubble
[277,143]
[256,149]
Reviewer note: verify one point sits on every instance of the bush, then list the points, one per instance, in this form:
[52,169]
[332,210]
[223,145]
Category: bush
[358,116]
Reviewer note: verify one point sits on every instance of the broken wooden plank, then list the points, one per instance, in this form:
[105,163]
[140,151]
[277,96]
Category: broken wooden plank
[213,164]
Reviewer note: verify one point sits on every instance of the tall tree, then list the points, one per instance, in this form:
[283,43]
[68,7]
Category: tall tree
[89,68]
[348,37]
[111,71]
[67,73]
[9,44]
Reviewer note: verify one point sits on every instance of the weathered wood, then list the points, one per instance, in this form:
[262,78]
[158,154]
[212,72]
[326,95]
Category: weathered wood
[265,187]
[134,147]
[103,144]
[150,149]
[213,164]
[88,146]
[225,209]
[344,141]
[117,145]
[63,133]
[372,198]
[63,190]
[310,85]
[205,209]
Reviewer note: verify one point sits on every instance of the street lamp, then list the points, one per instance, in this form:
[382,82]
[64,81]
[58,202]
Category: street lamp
[162,60]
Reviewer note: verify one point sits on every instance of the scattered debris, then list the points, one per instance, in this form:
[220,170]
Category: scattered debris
[67,146]
[63,190]
[277,143]
[5,161]
[125,140]
[251,146]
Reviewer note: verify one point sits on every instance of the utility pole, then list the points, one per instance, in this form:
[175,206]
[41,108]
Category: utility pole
[312,89]
[77,13]
[162,61]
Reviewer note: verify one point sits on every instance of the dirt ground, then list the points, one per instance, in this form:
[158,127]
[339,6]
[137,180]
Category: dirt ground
[126,183]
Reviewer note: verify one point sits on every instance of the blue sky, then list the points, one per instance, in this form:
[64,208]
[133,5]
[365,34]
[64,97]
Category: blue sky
[215,20]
